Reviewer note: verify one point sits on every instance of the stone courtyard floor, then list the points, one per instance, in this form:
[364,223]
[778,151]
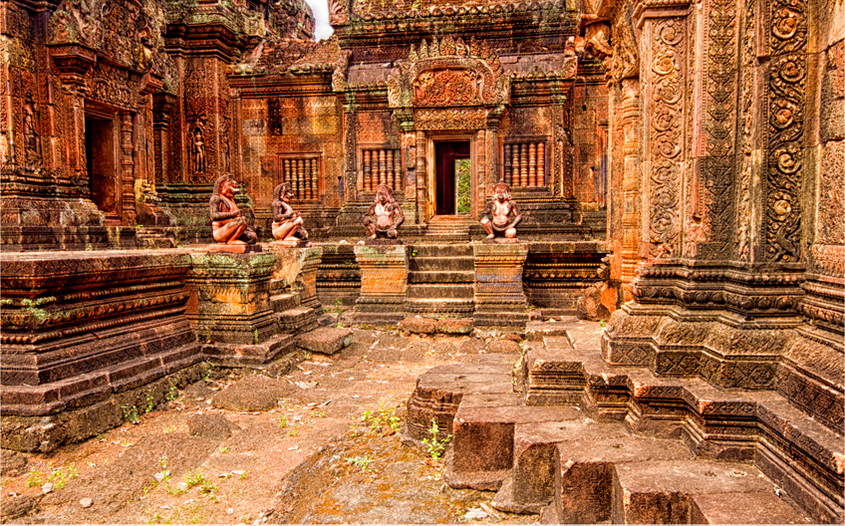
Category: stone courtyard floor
[317,445]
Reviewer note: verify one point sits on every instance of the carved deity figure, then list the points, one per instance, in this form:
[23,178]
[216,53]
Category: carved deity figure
[287,224]
[29,133]
[501,215]
[384,216]
[228,224]
[199,151]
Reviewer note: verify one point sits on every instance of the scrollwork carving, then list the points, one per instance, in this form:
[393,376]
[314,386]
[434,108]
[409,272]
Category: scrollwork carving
[787,81]
[667,99]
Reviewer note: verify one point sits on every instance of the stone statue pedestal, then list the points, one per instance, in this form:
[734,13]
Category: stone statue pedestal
[384,282]
[234,249]
[293,287]
[291,243]
[501,241]
[231,309]
[499,299]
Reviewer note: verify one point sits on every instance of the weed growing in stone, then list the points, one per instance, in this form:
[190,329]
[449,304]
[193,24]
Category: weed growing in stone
[601,323]
[383,420]
[130,413]
[224,450]
[363,463]
[59,477]
[150,396]
[172,393]
[283,421]
[293,430]
[34,479]
[436,446]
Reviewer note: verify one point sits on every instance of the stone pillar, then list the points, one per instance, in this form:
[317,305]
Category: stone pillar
[499,299]
[127,165]
[230,307]
[630,177]
[384,282]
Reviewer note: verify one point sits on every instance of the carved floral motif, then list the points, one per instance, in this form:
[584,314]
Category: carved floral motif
[718,169]
[787,82]
[666,130]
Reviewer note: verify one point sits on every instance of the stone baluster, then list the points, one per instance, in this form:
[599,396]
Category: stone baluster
[541,164]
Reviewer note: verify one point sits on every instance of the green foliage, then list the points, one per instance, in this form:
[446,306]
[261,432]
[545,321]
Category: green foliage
[172,393]
[601,323]
[360,462]
[130,413]
[34,479]
[462,174]
[150,397]
[384,420]
[59,477]
[436,446]
[283,421]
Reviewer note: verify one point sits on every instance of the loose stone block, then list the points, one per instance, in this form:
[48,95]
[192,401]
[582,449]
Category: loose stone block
[418,325]
[326,340]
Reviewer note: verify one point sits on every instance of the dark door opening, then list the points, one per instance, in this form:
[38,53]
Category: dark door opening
[453,176]
[99,150]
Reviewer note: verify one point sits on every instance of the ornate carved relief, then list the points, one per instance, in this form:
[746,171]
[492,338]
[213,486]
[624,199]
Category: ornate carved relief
[666,133]
[743,230]
[451,119]
[787,81]
[718,168]
[338,12]
[448,72]
[626,59]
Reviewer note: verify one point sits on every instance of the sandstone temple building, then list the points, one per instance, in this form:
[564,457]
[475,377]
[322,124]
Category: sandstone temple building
[679,165]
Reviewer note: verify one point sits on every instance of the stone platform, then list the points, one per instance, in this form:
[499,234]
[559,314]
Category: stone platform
[573,434]
[85,333]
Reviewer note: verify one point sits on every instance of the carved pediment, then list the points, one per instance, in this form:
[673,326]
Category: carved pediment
[448,72]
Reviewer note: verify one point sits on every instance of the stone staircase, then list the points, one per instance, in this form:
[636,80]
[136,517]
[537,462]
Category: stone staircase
[449,229]
[440,280]
[581,441]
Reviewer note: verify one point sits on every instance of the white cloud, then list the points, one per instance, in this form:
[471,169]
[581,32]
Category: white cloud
[320,8]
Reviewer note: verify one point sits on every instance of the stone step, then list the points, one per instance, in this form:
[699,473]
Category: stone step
[481,455]
[325,340]
[440,390]
[441,264]
[759,426]
[661,492]
[744,508]
[551,378]
[284,301]
[440,306]
[583,463]
[297,319]
[454,276]
[439,292]
[439,251]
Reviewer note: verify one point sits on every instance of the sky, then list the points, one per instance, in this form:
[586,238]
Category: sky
[321,18]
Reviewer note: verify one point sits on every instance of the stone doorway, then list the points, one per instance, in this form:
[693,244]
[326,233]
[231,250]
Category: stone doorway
[453,178]
[100,143]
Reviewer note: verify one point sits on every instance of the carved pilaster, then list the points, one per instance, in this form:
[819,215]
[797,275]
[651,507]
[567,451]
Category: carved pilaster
[127,163]
[630,107]
[787,36]
[663,69]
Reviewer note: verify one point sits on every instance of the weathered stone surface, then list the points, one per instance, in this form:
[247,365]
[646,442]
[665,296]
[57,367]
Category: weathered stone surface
[743,508]
[12,464]
[325,340]
[418,325]
[253,392]
[503,346]
[453,326]
[210,425]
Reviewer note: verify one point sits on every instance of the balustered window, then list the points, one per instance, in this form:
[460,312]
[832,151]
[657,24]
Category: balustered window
[304,173]
[525,163]
[380,166]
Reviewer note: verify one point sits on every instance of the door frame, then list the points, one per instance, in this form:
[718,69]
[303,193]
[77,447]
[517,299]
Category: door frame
[431,164]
